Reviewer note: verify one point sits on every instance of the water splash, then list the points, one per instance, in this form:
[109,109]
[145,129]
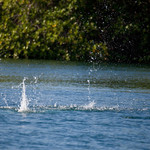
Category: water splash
[89,92]
[24,101]
[4,99]
[89,106]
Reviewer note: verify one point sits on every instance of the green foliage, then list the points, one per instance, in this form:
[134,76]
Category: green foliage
[45,29]
[75,30]
[125,26]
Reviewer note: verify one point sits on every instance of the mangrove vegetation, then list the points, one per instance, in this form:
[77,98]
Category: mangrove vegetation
[80,30]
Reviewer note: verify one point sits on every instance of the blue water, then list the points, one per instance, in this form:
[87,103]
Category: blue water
[74,106]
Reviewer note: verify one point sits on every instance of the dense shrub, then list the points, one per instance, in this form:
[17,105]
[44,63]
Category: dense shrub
[75,30]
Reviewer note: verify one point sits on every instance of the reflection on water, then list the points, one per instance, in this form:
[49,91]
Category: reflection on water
[75,73]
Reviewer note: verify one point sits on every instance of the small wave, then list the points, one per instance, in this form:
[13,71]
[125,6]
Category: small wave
[91,107]
[61,108]
[137,117]
[8,107]
[43,109]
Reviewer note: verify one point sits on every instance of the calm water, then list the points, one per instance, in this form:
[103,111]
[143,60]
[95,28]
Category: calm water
[74,106]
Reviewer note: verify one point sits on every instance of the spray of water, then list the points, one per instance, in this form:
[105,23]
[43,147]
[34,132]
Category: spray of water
[24,101]
[89,106]
[89,92]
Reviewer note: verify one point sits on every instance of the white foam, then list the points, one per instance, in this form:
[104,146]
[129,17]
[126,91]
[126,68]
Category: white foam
[24,101]
[90,105]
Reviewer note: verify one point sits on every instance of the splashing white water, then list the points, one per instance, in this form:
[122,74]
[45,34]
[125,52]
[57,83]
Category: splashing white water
[89,92]
[90,105]
[24,101]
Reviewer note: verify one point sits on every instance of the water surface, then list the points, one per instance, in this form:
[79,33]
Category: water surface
[74,105]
